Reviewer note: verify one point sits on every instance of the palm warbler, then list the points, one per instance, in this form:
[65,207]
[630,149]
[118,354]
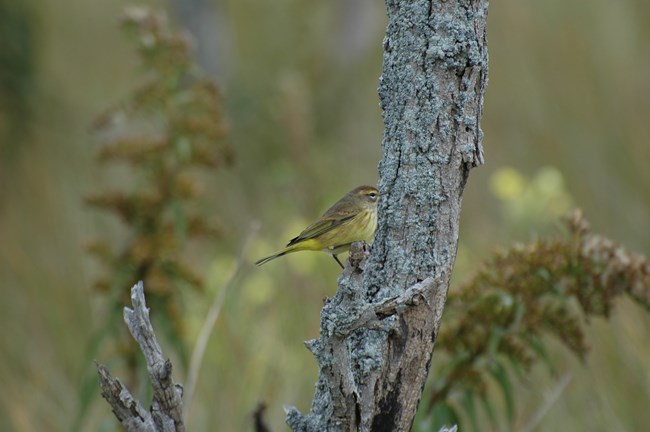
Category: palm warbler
[352,218]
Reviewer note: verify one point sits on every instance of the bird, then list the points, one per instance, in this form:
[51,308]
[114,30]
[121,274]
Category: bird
[352,218]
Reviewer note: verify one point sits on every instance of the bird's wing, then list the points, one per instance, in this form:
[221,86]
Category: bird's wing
[321,226]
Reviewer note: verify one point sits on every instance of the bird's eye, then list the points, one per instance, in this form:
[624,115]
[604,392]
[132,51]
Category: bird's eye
[373,195]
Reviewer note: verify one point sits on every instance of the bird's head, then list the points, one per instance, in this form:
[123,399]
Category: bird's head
[367,195]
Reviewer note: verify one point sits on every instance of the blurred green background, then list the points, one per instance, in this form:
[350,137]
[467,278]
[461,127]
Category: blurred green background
[566,123]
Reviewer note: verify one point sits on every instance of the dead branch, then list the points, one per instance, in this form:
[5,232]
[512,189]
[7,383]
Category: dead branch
[165,414]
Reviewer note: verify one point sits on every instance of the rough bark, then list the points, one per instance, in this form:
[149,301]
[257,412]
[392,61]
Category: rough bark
[166,413]
[374,359]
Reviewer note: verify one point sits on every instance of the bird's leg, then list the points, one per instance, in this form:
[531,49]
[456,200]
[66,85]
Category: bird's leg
[337,260]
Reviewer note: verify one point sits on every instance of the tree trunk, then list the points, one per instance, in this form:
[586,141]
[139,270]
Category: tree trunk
[378,331]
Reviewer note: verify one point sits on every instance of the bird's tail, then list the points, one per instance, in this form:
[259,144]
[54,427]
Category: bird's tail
[272,257]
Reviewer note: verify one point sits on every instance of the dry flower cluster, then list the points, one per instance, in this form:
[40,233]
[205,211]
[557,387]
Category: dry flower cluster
[496,322]
[170,128]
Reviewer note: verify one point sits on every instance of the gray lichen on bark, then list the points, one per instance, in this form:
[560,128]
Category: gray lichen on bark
[373,368]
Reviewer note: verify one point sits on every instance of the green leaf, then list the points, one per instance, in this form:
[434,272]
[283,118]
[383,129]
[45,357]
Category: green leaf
[495,339]
[517,368]
[500,375]
[468,406]
[520,312]
[489,410]
[538,347]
